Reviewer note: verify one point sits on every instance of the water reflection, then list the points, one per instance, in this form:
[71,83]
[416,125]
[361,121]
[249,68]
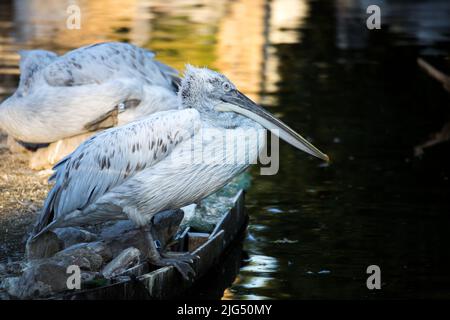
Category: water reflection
[39,24]
[359,95]
[235,37]
[422,22]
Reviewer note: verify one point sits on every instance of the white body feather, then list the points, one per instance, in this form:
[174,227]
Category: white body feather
[138,170]
[58,96]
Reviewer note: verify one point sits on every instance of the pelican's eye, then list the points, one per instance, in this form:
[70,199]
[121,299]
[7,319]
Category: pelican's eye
[226,86]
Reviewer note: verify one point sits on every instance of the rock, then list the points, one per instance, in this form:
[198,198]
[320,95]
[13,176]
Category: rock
[39,280]
[125,260]
[70,236]
[45,277]
[44,246]
[15,268]
[116,229]
[129,238]
[45,274]
[118,279]
[89,276]
[99,247]
[9,285]
[2,269]
[88,256]
[124,234]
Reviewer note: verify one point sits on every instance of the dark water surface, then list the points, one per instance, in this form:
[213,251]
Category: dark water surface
[358,94]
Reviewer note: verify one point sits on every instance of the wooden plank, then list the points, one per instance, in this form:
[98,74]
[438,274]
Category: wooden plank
[209,254]
[126,290]
[167,282]
[196,239]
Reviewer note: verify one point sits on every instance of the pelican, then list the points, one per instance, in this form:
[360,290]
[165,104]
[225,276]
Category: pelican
[143,168]
[87,89]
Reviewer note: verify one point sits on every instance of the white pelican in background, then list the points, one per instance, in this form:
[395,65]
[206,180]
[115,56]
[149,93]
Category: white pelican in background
[85,90]
[137,170]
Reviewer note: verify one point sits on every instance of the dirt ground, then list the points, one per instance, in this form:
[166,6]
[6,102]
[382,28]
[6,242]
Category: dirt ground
[22,193]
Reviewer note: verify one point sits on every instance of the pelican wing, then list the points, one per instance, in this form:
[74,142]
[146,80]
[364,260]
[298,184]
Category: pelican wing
[98,63]
[111,157]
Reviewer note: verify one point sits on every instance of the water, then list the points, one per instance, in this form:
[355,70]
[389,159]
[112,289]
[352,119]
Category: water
[358,94]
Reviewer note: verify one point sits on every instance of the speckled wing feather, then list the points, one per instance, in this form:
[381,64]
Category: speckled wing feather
[113,156]
[63,96]
[102,62]
[31,63]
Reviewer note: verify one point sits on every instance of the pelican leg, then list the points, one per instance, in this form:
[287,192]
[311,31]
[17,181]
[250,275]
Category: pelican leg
[181,262]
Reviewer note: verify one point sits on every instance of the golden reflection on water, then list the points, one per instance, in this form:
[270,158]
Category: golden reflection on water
[256,274]
[237,37]
[241,43]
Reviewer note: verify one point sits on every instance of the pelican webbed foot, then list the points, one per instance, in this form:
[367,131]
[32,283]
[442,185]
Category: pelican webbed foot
[181,261]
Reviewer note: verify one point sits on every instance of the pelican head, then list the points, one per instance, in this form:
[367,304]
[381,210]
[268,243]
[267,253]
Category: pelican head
[217,98]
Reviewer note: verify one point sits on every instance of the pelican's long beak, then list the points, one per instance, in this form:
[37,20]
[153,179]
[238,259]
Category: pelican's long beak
[236,101]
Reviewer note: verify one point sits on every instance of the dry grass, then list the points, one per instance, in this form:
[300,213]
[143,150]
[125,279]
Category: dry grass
[22,193]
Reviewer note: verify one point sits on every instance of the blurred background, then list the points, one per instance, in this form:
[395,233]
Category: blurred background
[358,94]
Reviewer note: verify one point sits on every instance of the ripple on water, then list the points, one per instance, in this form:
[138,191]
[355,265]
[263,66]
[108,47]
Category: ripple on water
[261,264]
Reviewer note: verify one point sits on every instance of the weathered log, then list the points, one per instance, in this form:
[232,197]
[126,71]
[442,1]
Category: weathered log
[436,138]
[45,246]
[125,260]
[435,73]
